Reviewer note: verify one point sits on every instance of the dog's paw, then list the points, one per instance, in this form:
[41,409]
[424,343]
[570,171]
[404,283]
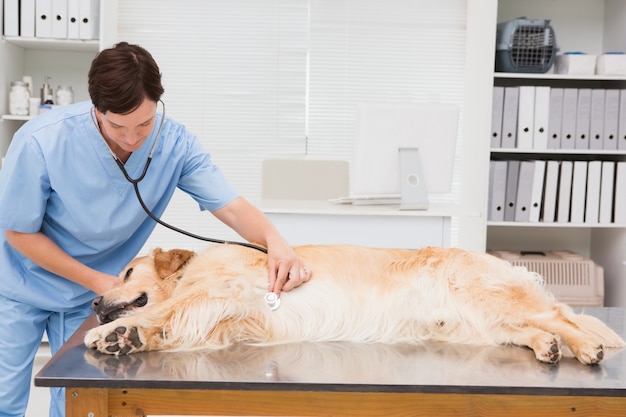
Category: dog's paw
[114,340]
[549,351]
[588,353]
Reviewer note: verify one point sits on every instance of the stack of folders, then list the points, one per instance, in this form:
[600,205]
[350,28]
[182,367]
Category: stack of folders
[538,117]
[52,19]
[582,192]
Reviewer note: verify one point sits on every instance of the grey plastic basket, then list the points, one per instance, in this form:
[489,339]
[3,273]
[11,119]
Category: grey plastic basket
[525,45]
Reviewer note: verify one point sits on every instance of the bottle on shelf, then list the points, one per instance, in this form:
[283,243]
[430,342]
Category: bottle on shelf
[18,98]
[47,96]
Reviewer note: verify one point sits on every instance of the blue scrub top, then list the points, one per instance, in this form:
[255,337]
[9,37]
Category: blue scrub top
[59,177]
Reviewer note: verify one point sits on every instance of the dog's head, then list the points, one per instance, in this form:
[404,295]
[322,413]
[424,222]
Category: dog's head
[144,282]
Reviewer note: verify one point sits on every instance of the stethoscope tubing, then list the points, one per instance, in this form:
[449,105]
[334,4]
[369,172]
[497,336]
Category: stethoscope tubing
[135,182]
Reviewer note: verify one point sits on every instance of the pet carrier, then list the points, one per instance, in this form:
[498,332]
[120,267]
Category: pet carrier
[525,45]
[572,278]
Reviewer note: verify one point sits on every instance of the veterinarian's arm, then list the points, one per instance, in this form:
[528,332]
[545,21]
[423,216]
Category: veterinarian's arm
[40,249]
[285,269]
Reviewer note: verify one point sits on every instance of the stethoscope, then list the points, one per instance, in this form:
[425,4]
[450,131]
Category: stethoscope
[135,182]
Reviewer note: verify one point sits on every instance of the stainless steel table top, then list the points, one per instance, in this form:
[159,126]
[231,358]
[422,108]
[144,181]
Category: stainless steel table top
[339,366]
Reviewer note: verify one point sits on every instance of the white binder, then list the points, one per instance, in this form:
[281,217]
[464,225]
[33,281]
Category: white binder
[509,117]
[611,118]
[555,118]
[73,19]
[606,192]
[592,206]
[620,193]
[27,18]
[621,130]
[568,125]
[537,191]
[525,116]
[496,116]
[43,24]
[512,177]
[565,191]
[541,117]
[579,187]
[11,18]
[596,123]
[497,190]
[89,16]
[524,191]
[59,19]
[583,118]
[550,195]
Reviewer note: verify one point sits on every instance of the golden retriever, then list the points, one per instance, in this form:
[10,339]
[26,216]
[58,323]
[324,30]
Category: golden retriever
[178,300]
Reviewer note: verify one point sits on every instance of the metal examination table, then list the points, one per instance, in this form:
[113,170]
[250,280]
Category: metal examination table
[339,379]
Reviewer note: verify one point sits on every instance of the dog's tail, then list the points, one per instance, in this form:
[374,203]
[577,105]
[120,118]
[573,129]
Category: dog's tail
[595,328]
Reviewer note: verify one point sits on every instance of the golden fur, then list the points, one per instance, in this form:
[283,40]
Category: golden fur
[179,300]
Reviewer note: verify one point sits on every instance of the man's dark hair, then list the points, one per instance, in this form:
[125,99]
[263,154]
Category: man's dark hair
[120,78]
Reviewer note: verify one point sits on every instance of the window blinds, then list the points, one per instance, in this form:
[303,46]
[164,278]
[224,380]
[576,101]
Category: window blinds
[256,78]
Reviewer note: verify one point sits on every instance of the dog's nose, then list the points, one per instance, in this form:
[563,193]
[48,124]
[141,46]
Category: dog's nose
[95,303]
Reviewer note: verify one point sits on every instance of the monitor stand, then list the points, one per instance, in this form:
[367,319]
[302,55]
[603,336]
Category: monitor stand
[413,192]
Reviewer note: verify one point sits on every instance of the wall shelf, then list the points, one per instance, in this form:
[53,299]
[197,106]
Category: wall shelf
[77,45]
[13,117]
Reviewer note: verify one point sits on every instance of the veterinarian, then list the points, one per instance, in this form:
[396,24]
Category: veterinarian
[71,221]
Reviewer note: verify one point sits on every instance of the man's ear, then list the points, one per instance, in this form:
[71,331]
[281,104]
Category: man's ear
[167,263]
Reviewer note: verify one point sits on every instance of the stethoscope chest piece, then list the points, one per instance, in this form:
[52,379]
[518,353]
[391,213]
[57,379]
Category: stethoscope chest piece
[272,300]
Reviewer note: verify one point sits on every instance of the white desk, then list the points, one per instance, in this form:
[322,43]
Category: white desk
[304,222]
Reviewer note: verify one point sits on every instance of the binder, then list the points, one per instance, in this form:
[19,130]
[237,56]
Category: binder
[555,118]
[537,191]
[621,128]
[565,191]
[27,18]
[550,195]
[619,209]
[509,117]
[596,123]
[524,191]
[592,206]
[568,121]
[611,118]
[579,189]
[11,18]
[89,15]
[541,117]
[606,192]
[43,24]
[512,176]
[583,118]
[73,16]
[496,116]
[525,116]
[59,19]
[497,189]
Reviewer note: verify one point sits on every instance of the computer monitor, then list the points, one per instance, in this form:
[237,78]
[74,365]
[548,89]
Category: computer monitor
[384,130]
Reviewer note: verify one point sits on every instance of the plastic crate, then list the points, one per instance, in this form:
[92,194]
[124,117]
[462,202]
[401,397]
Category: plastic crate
[572,278]
[525,45]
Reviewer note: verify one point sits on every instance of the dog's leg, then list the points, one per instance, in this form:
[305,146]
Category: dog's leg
[546,346]
[124,336]
[586,336]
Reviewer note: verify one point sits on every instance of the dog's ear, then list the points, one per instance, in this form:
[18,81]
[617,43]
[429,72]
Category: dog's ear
[167,263]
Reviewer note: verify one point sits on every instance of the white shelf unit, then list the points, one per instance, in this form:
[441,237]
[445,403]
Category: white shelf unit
[66,61]
[593,27]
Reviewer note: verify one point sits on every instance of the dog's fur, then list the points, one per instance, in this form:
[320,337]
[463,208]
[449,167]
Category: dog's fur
[179,300]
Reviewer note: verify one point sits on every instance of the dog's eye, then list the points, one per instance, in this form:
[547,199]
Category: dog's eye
[128,272]
[142,300]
